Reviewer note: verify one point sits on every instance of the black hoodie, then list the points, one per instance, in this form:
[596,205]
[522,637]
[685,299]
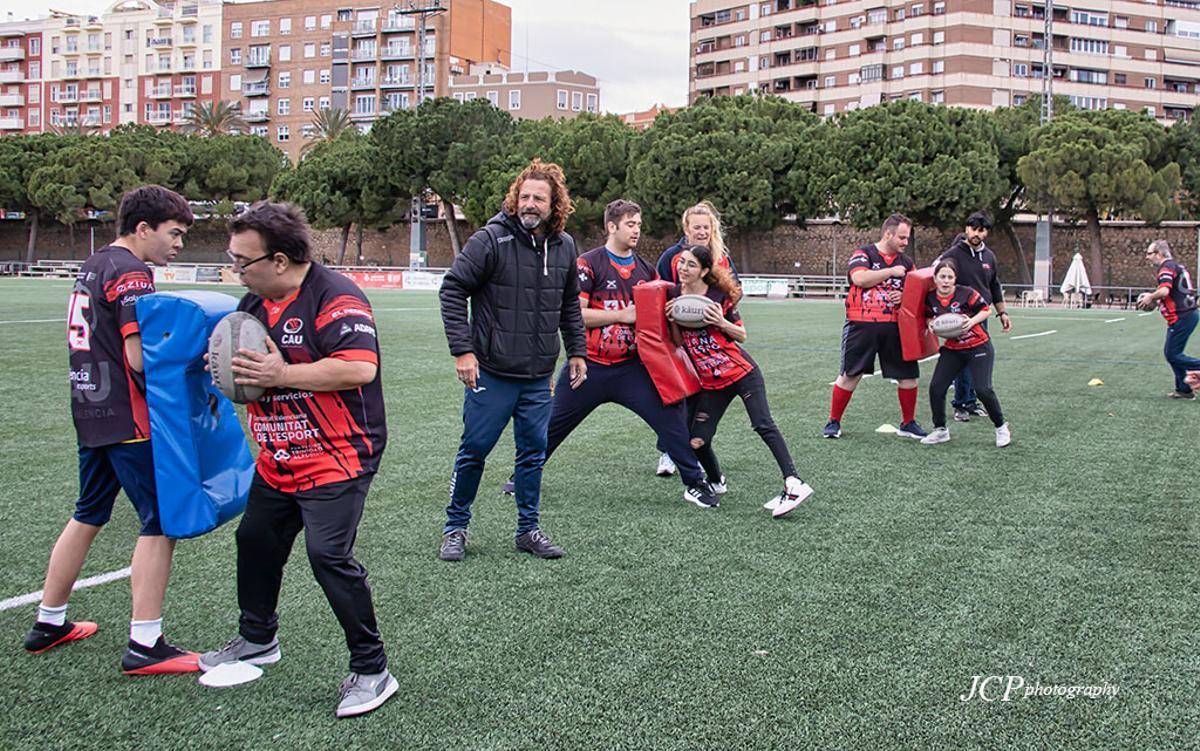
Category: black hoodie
[976,268]
[524,293]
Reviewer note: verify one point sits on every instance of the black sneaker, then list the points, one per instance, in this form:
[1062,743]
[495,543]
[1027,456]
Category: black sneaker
[833,429]
[509,488]
[978,411]
[454,545]
[46,636]
[535,541]
[911,429]
[962,415]
[160,659]
[1182,395]
[702,495]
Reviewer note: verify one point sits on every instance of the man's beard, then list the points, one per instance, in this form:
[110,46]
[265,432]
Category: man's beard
[531,221]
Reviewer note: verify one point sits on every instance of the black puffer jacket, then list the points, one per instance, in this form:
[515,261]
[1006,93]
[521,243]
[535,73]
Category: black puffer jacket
[524,293]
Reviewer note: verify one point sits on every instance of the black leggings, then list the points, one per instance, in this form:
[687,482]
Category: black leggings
[710,406]
[980,360]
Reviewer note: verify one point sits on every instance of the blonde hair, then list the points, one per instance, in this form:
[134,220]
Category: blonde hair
[716,243]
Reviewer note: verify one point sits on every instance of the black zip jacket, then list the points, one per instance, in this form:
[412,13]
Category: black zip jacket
[976,268]
[524,294]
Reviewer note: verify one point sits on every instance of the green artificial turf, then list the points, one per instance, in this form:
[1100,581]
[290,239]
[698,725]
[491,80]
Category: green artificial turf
[1069,558]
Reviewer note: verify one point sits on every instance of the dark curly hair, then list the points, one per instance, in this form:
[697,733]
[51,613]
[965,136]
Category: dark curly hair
[716,275]
[561,206]
[282,227]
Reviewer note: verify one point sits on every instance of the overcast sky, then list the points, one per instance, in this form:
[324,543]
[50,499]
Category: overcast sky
[637,48]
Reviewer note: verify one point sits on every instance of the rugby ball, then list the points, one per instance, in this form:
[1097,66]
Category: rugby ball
[949,325]
[688,310]
[238,330]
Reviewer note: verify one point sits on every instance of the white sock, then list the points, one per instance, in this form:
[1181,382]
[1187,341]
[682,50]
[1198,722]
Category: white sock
[145,633]
[54,616]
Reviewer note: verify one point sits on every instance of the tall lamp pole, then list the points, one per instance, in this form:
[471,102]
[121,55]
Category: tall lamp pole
[1042,252]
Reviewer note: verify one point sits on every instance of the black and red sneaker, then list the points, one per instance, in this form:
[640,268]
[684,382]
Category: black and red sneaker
[46,636]
[161,659]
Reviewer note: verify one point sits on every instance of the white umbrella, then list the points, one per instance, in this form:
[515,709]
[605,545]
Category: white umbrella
[1076,279]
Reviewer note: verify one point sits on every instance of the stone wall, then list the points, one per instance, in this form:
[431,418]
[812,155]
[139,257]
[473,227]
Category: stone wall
[819,248]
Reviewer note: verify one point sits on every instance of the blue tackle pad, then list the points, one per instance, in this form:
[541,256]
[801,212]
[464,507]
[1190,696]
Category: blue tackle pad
[202,465]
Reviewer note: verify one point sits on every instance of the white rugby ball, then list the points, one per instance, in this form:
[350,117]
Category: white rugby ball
[688,310]
[949,325]
[238,330]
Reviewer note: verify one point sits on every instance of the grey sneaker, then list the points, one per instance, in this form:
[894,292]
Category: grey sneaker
[238,649]
[454,545]
[962,415]
[360,694]
[536,542]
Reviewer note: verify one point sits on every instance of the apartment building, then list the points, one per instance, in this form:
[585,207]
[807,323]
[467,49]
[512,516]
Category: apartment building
[139,62]
[643,119]
[285,60]
[837,55]
[531,95]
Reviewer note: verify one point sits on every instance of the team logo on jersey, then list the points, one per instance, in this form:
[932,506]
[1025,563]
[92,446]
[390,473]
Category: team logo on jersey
[282,455]
[344,330]
[583,277]
[292,326]
[610,284]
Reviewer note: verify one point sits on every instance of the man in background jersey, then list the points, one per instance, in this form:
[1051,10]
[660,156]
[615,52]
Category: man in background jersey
[607,276]
[876,275]
[1176,300]
[321,431]
[108,404]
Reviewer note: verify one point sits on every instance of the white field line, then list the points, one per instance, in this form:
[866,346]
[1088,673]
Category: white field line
[1093,319]
[91,581]
[37,320]
[1114,320]
[1030,336]
[401,310]
[878,373]
[1143,315]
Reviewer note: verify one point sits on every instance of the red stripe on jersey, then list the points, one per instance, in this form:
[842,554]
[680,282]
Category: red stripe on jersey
[127,282]
[356,355]
[275,309]
[341,307]
[129,329]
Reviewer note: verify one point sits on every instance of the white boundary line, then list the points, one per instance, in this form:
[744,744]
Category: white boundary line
[36,320]
[91,581]
[1143,315]
[1030,336]
[1114,320]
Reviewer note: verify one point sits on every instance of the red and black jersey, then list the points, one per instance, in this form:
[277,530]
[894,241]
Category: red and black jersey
[963,300]
[605,283]
[872,304]
[719,360]
[307,439]
[1181,295]
[108,399]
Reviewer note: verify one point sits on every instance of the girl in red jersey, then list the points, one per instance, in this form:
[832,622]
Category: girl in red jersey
[971,350]
[726,371]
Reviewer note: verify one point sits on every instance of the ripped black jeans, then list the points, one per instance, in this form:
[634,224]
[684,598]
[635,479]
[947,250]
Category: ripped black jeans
[709,407]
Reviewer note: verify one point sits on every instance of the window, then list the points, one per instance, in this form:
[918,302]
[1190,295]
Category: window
[207,59]
[1019,99]
[830,81]
[1148,110]
[937,97]
[1152,27]
[1021,70]
[285,53]
[308,104]
[939,66]
[310,23]
[514,99]
[917,10]
[576,101]
[1149,83]
[235,82]
[898,71]
[325,49]
[235,56]
[344,14]
[915,96]
[259,130]
[939,9]
[739,40]
[915,39]
[877,15]
[364,104]
[765,36]
[285,26]
[1083,75]
[260,28]
[1089,46]
[898,14]
[1119,79]
[939,37]
[829,109]
[326,21]
[1089,17]
[593,102]
[898,43]
[35,69]
[281,133]
[855,50]
[323,103]
[1090,102]
[310,49]
[206,34]
[494,98]
[235,30]
[458,96]
[325,76]
[916,69]
[283,107]
[1120,22]
[310,77]
[285,79]
[561,102]
[35,118]
[35,46]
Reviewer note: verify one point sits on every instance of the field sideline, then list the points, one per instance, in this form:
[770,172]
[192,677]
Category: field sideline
[1069,558]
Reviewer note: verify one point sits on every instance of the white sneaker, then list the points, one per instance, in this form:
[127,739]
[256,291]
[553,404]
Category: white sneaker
[939,435]
[795,491]
[666,467]
[771,504]
[1003,436]
[720,488]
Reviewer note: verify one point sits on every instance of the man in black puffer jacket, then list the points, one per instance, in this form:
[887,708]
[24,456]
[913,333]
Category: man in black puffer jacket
[519,274]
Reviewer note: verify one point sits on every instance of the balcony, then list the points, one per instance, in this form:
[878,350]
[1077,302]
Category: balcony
[71,51]
[159,117]
[162,92]
[258,61]
[399,23]
[258,116]
[11,54]
[10,32]
[189,14]
[93,49]
[71,26]
[182,117]
[187,41]
[72,74]
[68,97]
[158,42]
[359,84]
[12,76]
[364,115]
[398,82]
[363,29]
[185,91]
[188,65]
[93,73]
[363,54]
[396,52]
[256,88]
[93,23]
[92,95]
[12,100]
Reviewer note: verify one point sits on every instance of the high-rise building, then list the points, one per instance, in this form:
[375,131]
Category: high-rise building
[139,62]
[834,55]
[530,95]
[285,60]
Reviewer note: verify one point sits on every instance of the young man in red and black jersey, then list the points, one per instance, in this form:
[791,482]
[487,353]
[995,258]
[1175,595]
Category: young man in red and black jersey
[108,404]
[876,274]
[607,276]
[321,431]
[1176,300]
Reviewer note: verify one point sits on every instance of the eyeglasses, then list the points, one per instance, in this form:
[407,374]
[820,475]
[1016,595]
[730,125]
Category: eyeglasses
[240,265]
